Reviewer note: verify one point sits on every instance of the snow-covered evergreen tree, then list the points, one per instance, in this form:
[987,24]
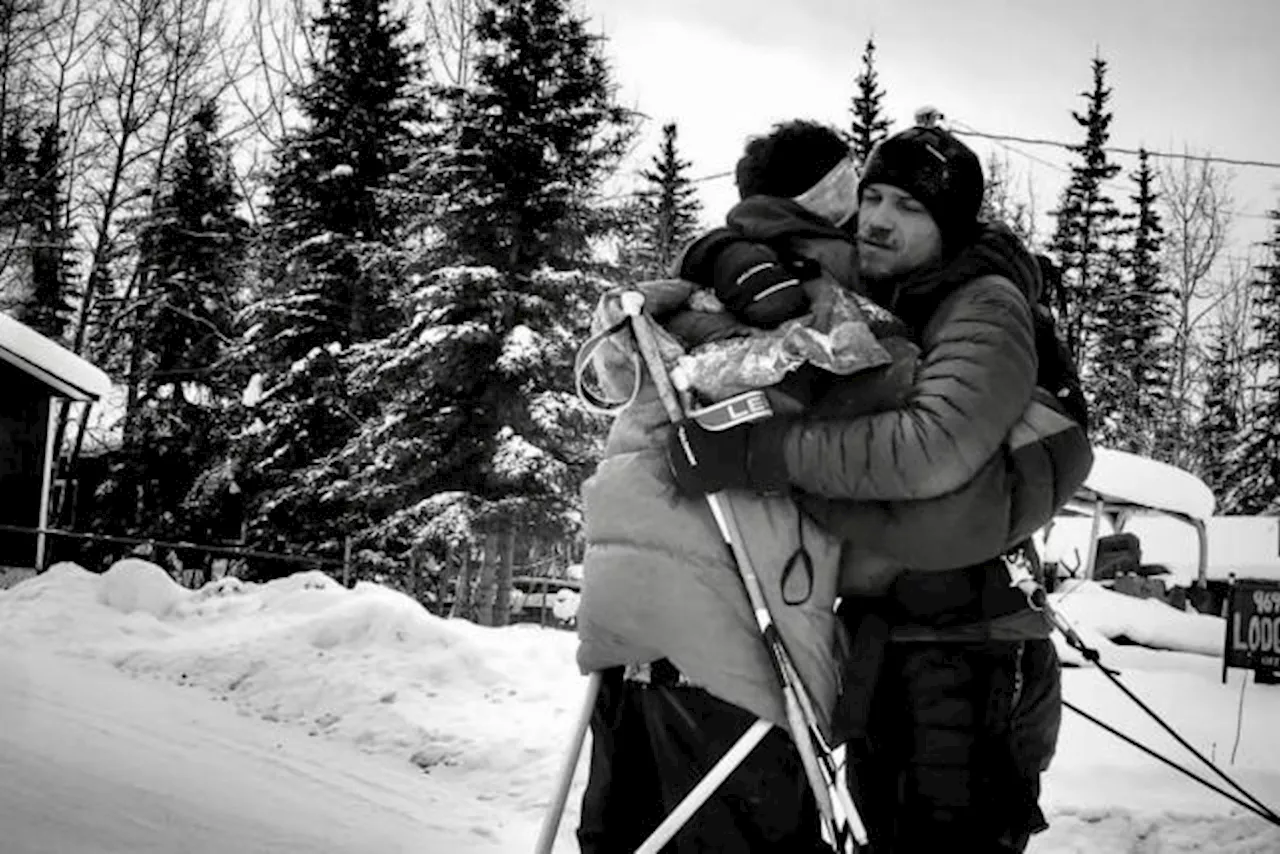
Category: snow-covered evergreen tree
[1130,361]
[1088,226]
[525,148]
[666,213]
[477,423]
[1111,388]
[1254,467]
[48,309]
[869,124]
[1147,309]
[330,259]
[181,379]
[487,440]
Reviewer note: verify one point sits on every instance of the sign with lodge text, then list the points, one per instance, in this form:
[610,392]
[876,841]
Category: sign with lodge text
[1253,626]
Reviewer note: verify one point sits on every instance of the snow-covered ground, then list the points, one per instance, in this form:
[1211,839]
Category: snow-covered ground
[136,716]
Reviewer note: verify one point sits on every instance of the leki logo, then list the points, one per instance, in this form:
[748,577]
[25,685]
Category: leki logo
[751,406]
[746,408]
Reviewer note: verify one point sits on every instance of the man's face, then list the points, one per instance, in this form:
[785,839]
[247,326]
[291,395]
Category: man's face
[896,234]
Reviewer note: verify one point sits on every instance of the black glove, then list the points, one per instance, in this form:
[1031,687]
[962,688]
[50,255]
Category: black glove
[754,285]
[748,456]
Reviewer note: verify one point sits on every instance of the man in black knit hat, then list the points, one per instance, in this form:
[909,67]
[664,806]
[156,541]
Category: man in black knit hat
[967,702]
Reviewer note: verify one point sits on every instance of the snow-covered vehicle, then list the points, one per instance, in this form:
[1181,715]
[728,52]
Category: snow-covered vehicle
[1124,486]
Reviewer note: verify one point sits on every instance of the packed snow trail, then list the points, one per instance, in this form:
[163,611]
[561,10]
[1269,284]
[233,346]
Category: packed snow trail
[95,762]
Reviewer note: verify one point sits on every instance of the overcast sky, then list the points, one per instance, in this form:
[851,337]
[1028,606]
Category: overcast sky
[1200,75]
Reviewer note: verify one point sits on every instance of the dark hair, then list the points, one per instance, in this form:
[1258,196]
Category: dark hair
[790,159]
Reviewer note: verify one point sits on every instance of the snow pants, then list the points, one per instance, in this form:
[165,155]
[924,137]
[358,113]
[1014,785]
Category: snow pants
[652,743]
[957,736]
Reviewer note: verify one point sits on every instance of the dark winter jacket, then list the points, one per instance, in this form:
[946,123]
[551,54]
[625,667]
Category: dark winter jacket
[914,506]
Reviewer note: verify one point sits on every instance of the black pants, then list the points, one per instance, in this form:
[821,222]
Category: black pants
[957,738]
[652,743]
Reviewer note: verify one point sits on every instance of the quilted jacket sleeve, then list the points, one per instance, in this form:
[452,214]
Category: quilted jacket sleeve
[974,381]
[1044,460]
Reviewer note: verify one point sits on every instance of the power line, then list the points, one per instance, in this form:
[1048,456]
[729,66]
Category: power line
[1203,158]
[710,177]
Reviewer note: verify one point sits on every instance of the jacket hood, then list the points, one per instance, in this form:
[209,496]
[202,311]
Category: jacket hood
[772,217]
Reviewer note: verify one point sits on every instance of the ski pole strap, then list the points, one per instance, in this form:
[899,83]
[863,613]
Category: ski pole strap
[582,362]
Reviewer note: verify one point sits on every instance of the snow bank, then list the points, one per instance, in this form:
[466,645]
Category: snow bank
[486,712]
[137,585]
[1102,612]
[367,665]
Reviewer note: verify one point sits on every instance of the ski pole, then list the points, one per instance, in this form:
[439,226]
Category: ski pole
[802,730]
[698,795]
[551,821]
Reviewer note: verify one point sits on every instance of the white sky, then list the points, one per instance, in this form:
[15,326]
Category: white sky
[1185,74]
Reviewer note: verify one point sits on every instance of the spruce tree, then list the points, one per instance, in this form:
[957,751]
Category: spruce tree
[1217,431]
[487,439]
[527,146]
[48,310]
[329,260]
[194,251]
[666,212]
[1111,387]
[1088,225]
[1129,377]
[191,270]
[869,124]
[1145,320]
[1254,465]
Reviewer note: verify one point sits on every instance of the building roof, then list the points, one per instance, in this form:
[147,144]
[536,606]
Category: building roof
[49,362]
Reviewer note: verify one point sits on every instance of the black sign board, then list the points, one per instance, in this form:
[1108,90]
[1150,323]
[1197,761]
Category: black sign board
[1253,627]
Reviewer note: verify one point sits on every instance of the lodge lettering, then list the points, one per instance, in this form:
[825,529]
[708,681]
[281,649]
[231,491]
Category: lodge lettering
[1261,634]
[1253,626]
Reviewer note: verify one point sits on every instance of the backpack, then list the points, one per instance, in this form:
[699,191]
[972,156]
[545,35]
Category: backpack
[1058,373]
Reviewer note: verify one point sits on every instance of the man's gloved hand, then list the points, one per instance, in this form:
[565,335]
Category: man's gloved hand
[748,456]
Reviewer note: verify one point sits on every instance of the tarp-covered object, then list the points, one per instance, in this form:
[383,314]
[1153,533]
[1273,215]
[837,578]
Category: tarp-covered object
[658,580]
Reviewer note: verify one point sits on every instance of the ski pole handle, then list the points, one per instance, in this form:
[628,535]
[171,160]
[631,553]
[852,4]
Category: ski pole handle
[633,307]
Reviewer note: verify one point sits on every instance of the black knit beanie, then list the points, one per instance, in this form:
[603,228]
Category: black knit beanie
[939,171]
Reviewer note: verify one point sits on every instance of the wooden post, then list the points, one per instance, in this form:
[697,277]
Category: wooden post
[346,562]
[46,486]
[486,583]
[502,583]
[542,611]
[462,589]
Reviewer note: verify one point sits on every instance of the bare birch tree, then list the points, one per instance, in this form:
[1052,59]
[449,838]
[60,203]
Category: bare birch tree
[449,26]
[148,65]
[1196,213]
